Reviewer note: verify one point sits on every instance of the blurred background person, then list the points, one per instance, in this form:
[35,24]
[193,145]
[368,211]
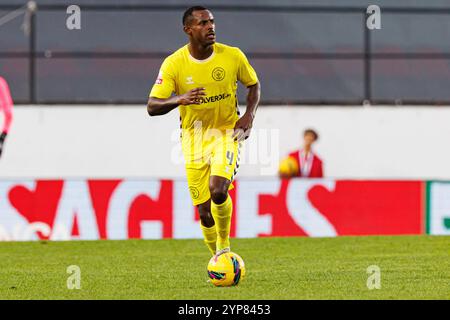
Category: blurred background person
[303,162]
[6,105]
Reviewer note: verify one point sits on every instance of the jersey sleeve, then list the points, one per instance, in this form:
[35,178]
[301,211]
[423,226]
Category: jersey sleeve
[165,82]
[246,74]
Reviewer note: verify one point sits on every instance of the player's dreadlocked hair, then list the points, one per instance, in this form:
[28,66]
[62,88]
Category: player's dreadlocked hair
[188,13]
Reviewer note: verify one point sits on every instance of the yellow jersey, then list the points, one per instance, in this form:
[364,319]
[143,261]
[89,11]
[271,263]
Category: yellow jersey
[218,74]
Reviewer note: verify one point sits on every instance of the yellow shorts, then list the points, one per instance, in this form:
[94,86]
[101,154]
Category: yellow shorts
[220,158]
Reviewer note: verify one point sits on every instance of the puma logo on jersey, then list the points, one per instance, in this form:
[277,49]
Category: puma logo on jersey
[189,80]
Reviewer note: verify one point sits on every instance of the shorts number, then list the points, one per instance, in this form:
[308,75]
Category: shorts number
[230,157]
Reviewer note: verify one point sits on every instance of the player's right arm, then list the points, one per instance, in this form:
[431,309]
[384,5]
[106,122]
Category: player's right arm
[157,106]
[161,99]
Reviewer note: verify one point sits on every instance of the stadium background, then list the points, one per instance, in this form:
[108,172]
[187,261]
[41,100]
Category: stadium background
[84,161]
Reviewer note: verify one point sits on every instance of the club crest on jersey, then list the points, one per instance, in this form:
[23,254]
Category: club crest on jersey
[159,80]
[189,80]
[218,74]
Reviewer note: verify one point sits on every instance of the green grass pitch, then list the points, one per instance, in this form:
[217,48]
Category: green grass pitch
[412,267]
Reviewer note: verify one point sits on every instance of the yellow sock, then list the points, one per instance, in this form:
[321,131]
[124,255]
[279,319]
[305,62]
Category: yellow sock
[222,216]
[210,235]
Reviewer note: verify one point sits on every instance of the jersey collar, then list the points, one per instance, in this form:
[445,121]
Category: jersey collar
[204,60]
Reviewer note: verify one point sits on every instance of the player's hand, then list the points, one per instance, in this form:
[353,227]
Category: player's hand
[191,97]
[243,127]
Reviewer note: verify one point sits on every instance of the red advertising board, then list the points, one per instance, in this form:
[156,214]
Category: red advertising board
[123,209]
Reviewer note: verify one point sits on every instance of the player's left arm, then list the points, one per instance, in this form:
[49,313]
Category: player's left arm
[244,125]
[247,76]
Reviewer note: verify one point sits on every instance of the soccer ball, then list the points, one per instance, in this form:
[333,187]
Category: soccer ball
[288,167]
[226,270]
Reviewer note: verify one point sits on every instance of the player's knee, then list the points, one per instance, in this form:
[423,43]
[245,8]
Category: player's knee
[218,195]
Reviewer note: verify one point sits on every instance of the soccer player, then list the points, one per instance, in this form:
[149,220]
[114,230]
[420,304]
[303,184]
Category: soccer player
[6,105]
[203,76]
